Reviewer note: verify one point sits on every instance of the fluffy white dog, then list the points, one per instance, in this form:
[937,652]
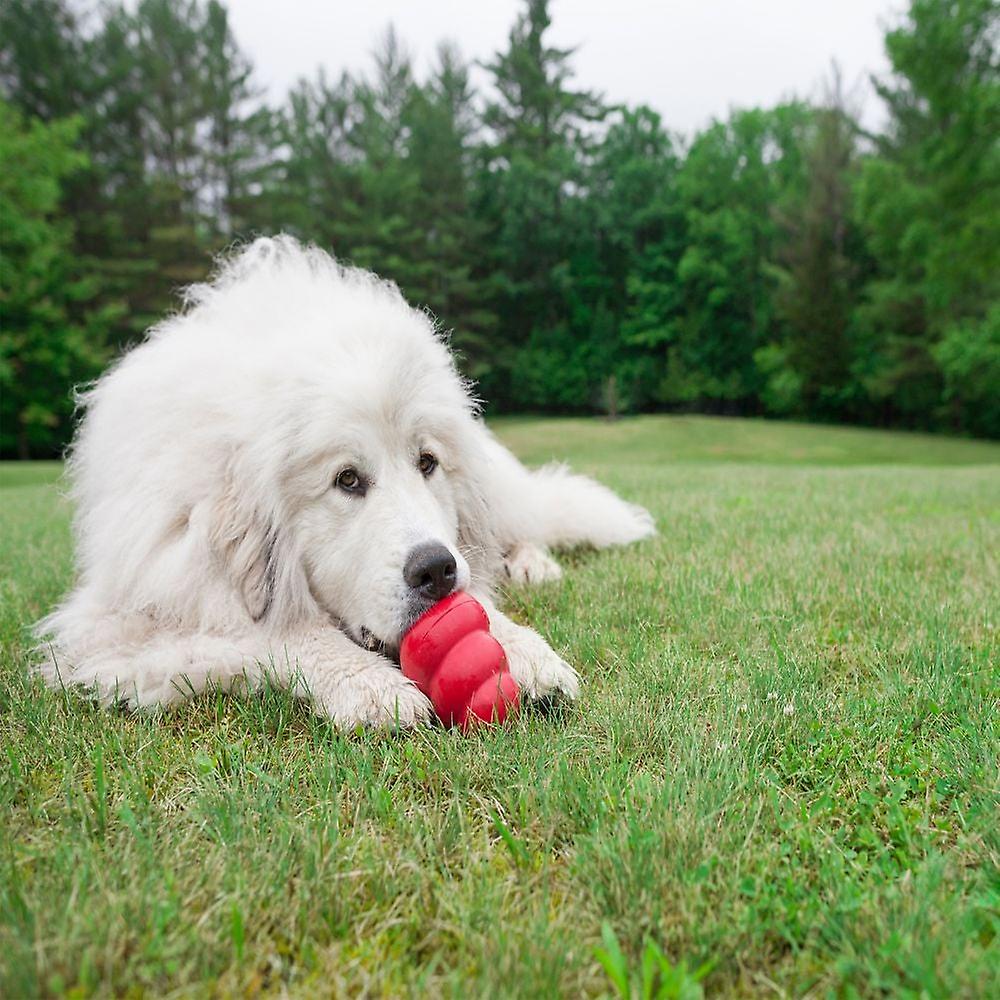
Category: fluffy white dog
[279,480]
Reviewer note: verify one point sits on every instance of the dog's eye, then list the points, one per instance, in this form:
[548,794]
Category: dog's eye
[349,481]
[428,463]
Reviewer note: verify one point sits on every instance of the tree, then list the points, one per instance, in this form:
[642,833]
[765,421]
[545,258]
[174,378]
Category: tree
[54,68]
[969,356]
[735,175]
[42,59]
[43,352]
[454,284]
[930,203]
[643,236]
[820,257]
[239,148]
[581,256]
[314,183]
[540,225]
[380,229]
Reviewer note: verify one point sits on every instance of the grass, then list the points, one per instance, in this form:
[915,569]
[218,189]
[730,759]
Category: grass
[782,778]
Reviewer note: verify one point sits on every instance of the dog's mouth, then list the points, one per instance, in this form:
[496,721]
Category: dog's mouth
[367,639]
[364,637]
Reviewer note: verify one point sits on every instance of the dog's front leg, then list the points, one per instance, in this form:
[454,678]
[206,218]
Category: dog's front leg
[540,672]
[130,660]
[349,685]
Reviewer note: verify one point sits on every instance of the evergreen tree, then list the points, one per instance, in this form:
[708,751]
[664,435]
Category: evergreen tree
[532,196]
[733,178]
[380,228]
[43,59]
[53,69]
[643,232]
[315,183]
[43,350]
[238,150]
[583,257]
[930,202]
[821,257]
[454,284]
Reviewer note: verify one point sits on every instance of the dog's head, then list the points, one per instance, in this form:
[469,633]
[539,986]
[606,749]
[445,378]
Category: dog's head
[354,488]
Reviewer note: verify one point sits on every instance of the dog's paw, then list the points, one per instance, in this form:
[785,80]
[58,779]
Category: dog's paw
[378,696]
[527,563]
[539,671]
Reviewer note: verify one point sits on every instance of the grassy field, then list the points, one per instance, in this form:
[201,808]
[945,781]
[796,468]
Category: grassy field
[782,777]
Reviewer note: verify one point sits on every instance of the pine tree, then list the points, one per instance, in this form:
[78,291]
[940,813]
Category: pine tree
[821,257]
[734,176]
[532,196]
[380,228]
[238,153]
[635,188]
[315,184]
[454,284]
[50,330]
[930,205]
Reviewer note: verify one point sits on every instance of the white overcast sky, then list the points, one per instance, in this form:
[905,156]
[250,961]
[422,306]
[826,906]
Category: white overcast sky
[691,60]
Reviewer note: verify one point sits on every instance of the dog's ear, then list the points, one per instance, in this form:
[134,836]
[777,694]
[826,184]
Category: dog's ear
[248,541]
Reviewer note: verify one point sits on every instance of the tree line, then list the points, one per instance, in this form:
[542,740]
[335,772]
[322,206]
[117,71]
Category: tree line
[585,257]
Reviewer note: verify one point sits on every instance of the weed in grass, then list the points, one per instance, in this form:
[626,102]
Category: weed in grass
[655,979]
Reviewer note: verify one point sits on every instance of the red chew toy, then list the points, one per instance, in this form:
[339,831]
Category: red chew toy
[451,656]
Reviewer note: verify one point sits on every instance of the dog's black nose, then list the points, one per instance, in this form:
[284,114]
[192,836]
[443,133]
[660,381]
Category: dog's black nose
[430,571]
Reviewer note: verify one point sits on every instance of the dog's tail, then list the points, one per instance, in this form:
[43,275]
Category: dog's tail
[556,508]
[566,509]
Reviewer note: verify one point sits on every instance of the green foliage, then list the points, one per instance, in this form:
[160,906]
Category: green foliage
[930,204]
[47,333]
[820,257]
[540,227]
[732,179]
[782,387]
[657,979]
[642,227]
[582,257]
[969,356]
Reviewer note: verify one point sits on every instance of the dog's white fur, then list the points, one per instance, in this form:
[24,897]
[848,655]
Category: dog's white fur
[213,545]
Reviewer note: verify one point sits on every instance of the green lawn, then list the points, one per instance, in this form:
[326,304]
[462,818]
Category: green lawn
[784,764]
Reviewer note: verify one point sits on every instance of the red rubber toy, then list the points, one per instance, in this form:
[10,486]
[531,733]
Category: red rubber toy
[451,656]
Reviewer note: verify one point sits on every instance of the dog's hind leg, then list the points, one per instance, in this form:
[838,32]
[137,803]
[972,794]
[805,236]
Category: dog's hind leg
[533,511]
[529,563]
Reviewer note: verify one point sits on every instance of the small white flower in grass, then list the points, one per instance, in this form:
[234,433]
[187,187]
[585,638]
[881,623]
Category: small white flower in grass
[789,709]
[744,708]
[772,695]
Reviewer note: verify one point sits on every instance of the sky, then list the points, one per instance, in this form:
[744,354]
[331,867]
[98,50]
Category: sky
[690,60]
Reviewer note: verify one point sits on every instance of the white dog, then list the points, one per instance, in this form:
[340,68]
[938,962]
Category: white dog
[279,480]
